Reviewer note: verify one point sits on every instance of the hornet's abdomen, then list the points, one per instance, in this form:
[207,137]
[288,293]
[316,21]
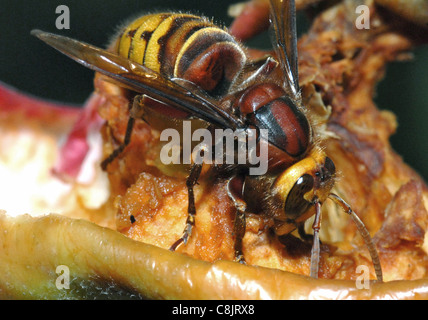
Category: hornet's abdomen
[184,46]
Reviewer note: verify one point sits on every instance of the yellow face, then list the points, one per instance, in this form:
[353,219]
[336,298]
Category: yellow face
[300,186]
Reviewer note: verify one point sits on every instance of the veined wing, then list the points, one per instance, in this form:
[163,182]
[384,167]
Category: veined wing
[141,79]
[283,16]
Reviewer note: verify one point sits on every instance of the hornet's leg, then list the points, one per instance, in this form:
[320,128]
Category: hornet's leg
[239,229]
[235,193]
[192,179]
[135,109]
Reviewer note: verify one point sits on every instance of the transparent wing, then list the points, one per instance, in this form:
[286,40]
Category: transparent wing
[141,79]
[283,17]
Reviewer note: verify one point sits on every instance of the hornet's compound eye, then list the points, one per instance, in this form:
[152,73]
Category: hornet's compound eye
[329,169]
[296,204]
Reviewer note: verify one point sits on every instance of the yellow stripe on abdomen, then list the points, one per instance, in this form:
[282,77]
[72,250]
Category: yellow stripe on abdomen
[184,46]
[134,38]
[158,56]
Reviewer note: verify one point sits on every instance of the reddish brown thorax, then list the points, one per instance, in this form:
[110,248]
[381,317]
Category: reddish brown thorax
[266,106]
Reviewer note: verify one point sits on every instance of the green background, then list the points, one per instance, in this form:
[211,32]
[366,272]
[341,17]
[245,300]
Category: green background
[29,65]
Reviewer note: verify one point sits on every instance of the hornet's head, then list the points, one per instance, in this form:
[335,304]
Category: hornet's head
[300,186]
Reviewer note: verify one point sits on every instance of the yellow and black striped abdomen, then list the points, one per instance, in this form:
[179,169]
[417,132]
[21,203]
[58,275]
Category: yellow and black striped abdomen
[184,46]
